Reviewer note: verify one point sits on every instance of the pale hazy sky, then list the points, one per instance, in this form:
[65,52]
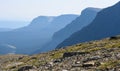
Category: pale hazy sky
[29,9]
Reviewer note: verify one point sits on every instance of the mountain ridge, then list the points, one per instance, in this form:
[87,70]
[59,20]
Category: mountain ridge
[83,20]
[29,38]
[104,25]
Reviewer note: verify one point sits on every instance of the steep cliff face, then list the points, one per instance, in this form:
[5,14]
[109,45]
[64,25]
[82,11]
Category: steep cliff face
[106,23]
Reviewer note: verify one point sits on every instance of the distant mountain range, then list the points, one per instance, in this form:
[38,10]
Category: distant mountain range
[106,23]
[47,33]
[83,20]
[5,29]
[13,24]
[29,38]
[7,49]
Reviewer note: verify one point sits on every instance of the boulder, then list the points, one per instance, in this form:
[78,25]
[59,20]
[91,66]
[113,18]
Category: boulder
[57,60]
[87,65]
[118,56]
[69,54]
[26,68]
[64,70]
[92,58]
[114,37]
[76,65]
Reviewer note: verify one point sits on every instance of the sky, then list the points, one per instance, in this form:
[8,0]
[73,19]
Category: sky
[18,13]
[26,10]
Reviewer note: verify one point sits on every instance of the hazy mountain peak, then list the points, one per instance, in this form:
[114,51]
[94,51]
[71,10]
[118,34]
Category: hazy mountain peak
[90,9]
[93,9]
[68,15]
[41,20]
[117,4]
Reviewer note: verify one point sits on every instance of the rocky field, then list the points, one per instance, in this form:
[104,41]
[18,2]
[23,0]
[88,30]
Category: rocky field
[99,55]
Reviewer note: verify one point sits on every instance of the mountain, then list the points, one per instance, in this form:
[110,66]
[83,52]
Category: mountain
[29,38]
[60,22]
[83,20]
[5,29]
[106,23]
[13,24]
[7,49]
[101,55]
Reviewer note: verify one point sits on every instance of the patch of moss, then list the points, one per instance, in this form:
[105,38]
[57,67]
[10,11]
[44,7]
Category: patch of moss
[57,55]
[109,64]
[93,49]
[25,59]
[117,45]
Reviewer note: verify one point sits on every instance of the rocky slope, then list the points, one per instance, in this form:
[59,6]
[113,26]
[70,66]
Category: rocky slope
[99,55]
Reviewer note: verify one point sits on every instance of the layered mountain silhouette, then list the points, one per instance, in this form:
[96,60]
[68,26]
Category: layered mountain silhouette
[106,23]
[13,24]
[7,49]
[29,38]
[83,20]
[5,29]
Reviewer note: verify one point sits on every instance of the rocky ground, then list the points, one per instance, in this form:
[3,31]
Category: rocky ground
[101,55]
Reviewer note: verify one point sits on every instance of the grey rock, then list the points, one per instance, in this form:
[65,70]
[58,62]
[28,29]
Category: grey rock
[69,54]
[25,68]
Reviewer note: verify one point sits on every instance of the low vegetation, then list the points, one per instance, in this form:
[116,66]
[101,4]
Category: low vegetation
[99,55]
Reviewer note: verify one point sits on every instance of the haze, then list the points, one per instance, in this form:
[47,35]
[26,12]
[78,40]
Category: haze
[26,10]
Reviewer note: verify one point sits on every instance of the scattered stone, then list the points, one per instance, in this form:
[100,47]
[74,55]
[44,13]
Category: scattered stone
[33,70]
[21,57]
[87,65]
[57,60]
[77,62]
[51,63]
[106,55]
[52,54]
[76,65]
[64,70]
[25,68]
[69,54]
[97,64]
[13,65]
[118,56]
[33,57]
[92,58]
[114,38]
